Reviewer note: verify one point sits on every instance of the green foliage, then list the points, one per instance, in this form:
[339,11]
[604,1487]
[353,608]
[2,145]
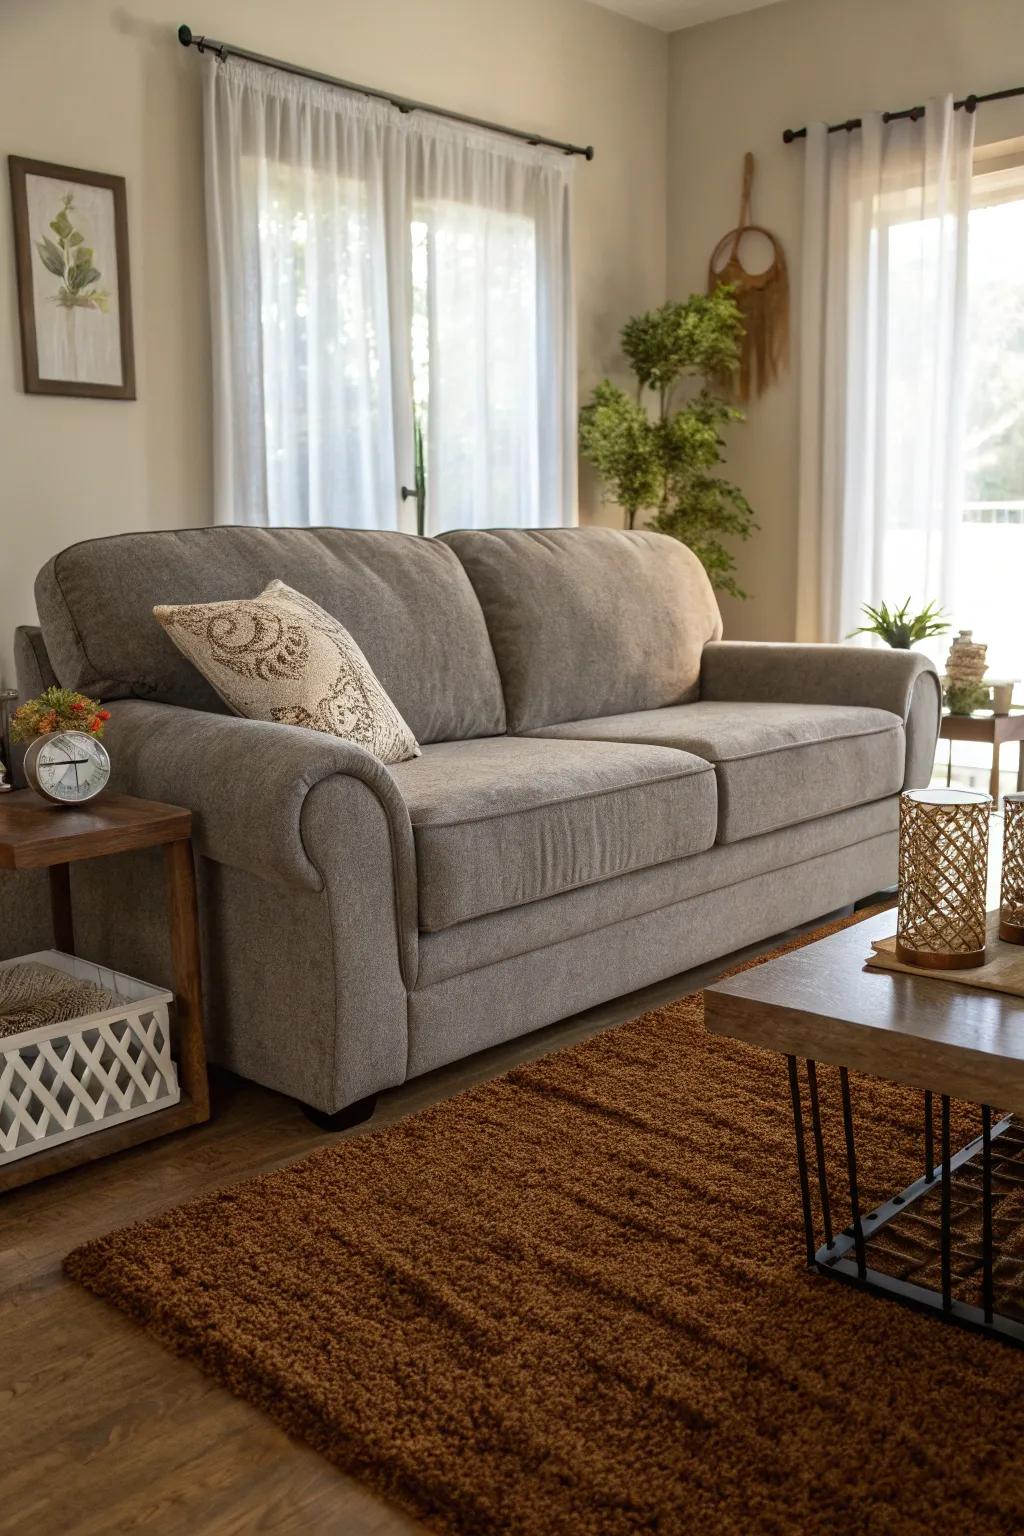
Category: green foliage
[702,336]
[965,698]
[898,629]
[664,463]
[618,437]
[58,709]
[71,260]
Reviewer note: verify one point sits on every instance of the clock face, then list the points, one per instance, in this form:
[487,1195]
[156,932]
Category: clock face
[69,767]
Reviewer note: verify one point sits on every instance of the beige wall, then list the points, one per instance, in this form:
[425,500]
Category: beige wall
[735,85]
[106,86]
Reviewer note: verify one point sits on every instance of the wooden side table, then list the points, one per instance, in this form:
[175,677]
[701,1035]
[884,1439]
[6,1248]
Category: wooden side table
[36,836]
[995,729]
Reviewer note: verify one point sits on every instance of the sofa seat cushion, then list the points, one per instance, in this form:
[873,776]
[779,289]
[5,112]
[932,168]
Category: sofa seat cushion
[777,764]
[506,820]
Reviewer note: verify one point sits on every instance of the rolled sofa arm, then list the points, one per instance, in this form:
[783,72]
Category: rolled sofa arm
[291,805]
[903,682]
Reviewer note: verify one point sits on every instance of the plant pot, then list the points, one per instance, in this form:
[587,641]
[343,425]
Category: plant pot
[1002,698]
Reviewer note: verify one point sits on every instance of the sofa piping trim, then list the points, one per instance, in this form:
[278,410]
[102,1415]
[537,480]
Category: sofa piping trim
[739,757]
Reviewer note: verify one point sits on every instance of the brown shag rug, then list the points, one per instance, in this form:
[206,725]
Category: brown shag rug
[572,1302]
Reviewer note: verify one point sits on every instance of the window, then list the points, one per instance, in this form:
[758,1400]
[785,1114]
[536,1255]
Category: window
[474,349]
[323,321]
[985,584]
[393,313]
[991,553]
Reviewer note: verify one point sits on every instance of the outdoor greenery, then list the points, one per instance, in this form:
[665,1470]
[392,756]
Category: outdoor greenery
[995,328]
[70,259]
[663,461]
[898,629]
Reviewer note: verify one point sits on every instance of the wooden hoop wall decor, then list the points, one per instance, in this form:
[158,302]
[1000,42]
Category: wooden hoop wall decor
[763,297]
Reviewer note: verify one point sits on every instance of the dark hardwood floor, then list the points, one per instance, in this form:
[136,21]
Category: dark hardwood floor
[102,1432]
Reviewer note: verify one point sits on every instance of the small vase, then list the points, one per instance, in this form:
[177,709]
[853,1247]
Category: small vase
[966,660]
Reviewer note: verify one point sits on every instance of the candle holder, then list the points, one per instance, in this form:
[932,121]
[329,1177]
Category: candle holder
[943,869]
[1011,892]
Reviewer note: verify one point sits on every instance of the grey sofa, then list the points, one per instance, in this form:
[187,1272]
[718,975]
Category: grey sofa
[608,792]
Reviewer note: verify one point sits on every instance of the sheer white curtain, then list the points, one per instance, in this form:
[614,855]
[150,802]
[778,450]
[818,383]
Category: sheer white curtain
[883,333]
[303,345]
[315,196]
[501,402]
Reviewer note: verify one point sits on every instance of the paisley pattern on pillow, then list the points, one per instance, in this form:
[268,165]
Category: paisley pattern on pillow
[281,657]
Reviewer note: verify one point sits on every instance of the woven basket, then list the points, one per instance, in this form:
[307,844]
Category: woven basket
[62,1081]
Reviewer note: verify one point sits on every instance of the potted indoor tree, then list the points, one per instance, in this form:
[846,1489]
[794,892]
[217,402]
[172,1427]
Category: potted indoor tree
[663,461]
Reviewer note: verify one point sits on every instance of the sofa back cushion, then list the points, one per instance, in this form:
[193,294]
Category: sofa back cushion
[589,621]
[406,601]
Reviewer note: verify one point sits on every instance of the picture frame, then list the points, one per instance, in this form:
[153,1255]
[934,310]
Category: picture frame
[74,282]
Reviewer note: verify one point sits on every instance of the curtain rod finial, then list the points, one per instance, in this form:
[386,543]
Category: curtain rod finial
[788,135]
[185,36]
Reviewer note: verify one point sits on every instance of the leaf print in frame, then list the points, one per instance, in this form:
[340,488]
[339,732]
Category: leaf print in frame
[71,245]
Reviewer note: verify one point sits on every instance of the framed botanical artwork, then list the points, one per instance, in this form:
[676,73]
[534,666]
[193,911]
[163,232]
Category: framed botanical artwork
[74,289]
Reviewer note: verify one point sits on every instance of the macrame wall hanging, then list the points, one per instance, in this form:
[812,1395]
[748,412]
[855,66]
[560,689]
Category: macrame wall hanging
[763,297]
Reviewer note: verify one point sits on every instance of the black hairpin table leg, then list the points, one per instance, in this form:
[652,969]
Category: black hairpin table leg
[846,1255]
[801,1159]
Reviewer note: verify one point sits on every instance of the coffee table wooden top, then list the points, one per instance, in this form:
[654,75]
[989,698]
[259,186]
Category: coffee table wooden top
[34,835]
[822,1003]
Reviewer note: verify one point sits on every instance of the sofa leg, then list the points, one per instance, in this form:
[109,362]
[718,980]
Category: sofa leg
[343,1119]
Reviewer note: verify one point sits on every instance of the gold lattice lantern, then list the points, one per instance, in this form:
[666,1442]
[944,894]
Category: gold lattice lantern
[943,868]
[1011,895]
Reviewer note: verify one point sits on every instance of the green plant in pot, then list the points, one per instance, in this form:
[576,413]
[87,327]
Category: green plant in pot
[898,627]
[663,462]
[965,698]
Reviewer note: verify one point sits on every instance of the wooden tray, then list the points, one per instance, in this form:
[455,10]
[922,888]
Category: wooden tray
[1003,970]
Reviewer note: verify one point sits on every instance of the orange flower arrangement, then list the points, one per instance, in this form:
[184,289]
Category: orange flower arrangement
[58,709]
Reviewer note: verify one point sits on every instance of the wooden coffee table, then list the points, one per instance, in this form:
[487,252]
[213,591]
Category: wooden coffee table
[821,1004]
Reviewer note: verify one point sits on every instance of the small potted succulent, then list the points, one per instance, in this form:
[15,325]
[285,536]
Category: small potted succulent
[898,628]
[65,762]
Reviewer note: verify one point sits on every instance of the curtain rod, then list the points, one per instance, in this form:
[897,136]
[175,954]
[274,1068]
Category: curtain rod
[404,103]
[969,103]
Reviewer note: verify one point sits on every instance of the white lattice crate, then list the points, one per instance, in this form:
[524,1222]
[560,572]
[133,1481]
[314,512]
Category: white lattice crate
[61,1081]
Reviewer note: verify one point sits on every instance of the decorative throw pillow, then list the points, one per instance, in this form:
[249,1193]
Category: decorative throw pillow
[280,657]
